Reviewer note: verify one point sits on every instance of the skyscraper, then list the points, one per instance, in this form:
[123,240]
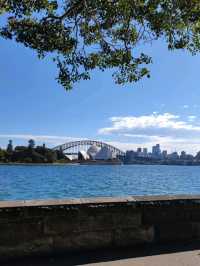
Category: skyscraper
[156,151]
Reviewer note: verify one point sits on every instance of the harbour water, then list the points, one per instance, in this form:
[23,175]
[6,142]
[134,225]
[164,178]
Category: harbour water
[78,181]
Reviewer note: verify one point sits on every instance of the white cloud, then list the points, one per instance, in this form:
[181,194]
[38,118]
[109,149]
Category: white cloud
[168,129]
[149,123]
[191,118]
[185,106]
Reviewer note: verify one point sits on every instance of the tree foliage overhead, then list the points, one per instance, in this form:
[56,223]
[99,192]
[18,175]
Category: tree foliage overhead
[83,35]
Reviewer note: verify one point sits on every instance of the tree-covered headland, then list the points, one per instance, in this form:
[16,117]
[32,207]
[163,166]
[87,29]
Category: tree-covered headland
[83,35]
[31,154]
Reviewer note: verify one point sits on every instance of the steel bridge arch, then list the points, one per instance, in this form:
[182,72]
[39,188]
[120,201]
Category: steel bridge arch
[100,144]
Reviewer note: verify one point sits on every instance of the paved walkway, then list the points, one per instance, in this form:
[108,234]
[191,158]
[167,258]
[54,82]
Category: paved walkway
[190,258]
[185,255]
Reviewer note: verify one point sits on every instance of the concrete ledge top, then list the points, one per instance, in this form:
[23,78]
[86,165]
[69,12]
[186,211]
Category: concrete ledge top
[99,201]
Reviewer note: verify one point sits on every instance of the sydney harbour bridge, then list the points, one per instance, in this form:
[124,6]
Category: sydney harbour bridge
[75,147]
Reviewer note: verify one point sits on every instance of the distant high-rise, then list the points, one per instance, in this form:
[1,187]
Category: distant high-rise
[156,151]
[145,151]
[164,154]
[10,146]
[139,152]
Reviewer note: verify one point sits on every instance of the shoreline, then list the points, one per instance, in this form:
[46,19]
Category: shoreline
[37,164]
[64,164]
[96,163]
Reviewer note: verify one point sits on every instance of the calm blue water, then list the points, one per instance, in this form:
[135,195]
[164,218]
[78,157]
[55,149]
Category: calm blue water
[76,181]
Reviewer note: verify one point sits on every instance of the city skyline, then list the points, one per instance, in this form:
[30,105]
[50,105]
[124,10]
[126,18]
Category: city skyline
[92,151]
[163,109]
[140,150]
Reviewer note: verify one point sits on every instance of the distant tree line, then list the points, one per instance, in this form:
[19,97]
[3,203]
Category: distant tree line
[30,154]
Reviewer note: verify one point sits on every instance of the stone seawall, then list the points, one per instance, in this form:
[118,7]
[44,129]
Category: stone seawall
[42,227]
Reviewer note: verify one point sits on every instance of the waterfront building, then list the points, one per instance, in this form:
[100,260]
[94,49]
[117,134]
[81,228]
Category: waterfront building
[173,156]
[183,155]
[130,156]
[164,154]
[145,152]
[156,151]
[139,152]
[189,157]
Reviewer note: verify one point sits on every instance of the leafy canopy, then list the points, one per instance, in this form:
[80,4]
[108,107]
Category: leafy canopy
[82,35]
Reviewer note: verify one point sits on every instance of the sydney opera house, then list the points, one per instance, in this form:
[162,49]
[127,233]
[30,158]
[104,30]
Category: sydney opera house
[96,153]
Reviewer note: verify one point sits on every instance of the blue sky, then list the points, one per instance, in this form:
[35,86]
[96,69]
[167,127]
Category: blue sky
[164,108]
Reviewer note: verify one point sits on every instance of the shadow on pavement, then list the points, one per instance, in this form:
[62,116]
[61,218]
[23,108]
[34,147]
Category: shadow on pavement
[89,257]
